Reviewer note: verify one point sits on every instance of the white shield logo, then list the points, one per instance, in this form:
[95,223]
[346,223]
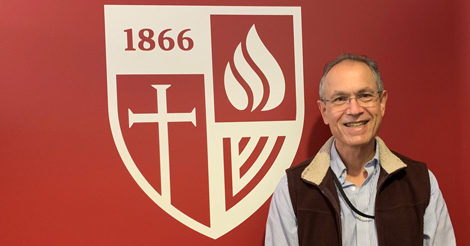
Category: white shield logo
[209,99]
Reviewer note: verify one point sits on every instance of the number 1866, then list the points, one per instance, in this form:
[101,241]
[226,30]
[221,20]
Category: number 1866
[165,43]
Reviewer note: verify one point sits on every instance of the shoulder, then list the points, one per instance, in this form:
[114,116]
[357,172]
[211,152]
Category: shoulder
[411,162]
[299,168]
[294,173]
[415,176]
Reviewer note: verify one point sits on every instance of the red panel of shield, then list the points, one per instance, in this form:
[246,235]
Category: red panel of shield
[276,35]
[187,142]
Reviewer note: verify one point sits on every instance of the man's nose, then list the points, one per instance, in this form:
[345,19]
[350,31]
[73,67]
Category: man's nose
[353,107]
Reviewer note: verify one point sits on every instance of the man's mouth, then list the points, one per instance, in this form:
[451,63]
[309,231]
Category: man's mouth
[356,124]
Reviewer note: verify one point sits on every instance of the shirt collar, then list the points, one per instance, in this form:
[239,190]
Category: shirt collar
[340,169]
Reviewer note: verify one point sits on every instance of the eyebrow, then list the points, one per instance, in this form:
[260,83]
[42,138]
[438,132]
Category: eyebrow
[368,89]
[343,93]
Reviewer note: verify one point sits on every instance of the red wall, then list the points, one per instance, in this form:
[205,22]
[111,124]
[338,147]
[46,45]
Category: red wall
[459,199]
[62,181]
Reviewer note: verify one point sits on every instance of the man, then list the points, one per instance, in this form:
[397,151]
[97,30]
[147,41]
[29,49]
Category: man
[387,199]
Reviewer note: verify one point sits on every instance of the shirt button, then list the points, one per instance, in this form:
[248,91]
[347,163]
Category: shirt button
[353,188]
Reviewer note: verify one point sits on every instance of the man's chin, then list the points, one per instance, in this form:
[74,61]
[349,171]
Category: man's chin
[357,141]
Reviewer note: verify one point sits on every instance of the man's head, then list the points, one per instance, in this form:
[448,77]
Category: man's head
[374,68]
[352,100]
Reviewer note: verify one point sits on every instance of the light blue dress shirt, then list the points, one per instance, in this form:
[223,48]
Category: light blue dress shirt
[281,228]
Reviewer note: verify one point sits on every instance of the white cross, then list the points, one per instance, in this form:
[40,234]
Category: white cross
[163,118]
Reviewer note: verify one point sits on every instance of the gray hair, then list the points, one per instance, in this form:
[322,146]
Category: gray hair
[374,67]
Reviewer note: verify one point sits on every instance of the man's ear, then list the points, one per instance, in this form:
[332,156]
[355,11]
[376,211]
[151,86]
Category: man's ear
[383,100]
[322,108]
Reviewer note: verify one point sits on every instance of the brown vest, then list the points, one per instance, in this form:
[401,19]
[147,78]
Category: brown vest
[401,200]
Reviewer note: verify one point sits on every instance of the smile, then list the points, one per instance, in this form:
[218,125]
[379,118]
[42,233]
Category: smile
[356,124]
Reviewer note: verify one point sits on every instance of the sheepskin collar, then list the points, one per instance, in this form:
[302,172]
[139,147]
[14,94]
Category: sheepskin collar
[316,170]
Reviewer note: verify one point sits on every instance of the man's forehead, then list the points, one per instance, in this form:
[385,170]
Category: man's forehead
[350,76]
[349,66]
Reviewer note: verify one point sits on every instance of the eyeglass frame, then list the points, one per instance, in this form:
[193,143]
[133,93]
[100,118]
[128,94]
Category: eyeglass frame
[379,93]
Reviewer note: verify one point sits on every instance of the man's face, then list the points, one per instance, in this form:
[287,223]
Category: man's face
[352,125]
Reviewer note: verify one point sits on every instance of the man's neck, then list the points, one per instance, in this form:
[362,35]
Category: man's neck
[355,159]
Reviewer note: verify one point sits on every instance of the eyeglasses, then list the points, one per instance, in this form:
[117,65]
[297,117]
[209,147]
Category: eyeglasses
[364,99]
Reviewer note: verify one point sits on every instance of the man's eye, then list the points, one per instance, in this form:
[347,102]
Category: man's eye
[340,99]
[365,95]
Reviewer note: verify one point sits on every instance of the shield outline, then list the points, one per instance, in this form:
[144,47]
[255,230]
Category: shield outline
[221,221]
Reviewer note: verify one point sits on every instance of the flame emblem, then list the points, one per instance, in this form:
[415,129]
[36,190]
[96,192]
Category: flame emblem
[269,67]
